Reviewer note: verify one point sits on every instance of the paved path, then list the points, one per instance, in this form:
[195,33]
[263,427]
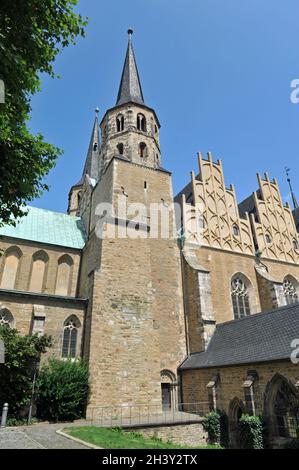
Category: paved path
[37,436]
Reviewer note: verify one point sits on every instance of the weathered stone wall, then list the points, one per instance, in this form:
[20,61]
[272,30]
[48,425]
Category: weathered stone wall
[135,326]
[52,253]
[194,382]
[222,266]
[54,311]
[182,434]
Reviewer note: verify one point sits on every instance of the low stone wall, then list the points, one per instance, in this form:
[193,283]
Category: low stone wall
[182,434]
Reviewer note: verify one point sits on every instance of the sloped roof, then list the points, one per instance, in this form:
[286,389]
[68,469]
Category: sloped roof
[49,227]
[261,337]
[130,87]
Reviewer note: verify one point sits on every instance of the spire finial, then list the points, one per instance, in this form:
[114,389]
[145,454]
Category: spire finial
[130,32]
[97,110]
[295,203]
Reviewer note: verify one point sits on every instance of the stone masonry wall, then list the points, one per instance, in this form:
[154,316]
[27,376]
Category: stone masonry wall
[54,253]
[182,434]
[194,382]
[55,312]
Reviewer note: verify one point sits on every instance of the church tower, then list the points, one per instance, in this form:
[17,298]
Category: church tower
[134,335]
[130,129]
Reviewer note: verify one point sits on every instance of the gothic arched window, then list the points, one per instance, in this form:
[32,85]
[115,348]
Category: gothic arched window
[240,297]
[120,123]
[142,150]
[11,261]
[290,290]
[141,122]
[6,318]
[70,337]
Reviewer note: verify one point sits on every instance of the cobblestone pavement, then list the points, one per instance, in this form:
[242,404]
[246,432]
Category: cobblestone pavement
[37,436]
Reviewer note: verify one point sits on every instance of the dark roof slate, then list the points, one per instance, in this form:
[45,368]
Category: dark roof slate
[130,87]
[262,337]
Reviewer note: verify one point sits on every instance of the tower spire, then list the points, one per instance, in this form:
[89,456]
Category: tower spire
[91,162]
[295,203]
[130,87]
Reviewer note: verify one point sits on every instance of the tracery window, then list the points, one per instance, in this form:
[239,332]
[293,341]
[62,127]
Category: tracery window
[6,318]
[70,337]
[240,298]
[290,291]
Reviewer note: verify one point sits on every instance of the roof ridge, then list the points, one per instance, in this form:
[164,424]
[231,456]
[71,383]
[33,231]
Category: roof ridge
[259,314]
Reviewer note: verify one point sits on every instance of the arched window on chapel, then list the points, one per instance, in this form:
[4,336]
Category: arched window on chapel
[70,337]
[240,296]
[290,291]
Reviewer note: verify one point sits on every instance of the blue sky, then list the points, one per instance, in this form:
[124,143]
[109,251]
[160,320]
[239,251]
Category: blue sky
[217,72]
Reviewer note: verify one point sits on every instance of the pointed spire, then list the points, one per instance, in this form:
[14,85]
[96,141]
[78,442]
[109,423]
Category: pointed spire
[91,167]
[130,87]
[295,203]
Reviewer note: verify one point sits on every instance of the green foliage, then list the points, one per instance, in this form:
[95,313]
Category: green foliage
[62,390]
[21,355]
[20,421]
[215,424]
[32,34]
[251,432]
[120,439]
[211,425]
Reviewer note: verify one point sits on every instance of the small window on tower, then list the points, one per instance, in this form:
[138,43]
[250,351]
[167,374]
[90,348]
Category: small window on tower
[142,150]
[95,146]
[120,123]
[145,185]
[141,122]
[120,148]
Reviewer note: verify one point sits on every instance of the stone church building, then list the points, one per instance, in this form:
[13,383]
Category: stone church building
[162,319]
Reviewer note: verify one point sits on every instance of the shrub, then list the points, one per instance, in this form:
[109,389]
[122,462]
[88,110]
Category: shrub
[215,424]
[211,425]
[251,432]
[22,354]
[62,390]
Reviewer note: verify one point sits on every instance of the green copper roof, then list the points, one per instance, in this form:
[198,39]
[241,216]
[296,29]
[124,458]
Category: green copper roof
[50,227]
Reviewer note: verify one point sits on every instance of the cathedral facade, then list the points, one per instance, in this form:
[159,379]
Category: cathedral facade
[161,312]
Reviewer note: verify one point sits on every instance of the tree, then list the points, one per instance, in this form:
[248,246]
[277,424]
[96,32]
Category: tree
[21,355]
[32,33]
[62,390]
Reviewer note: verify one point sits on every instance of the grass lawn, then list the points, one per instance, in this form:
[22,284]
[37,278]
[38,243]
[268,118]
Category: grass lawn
[116,438]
